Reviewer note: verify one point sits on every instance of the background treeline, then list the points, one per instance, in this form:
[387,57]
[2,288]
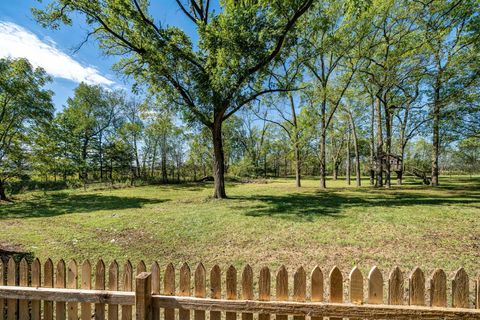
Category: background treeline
[350,91]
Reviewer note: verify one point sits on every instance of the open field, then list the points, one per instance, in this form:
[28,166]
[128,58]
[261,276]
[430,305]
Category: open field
[262,224]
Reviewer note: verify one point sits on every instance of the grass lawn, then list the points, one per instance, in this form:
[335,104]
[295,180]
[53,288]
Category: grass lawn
[262,224]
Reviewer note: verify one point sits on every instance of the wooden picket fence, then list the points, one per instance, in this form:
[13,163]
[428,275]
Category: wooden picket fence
[56,293]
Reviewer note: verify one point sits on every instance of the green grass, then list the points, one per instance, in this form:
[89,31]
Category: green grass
[261,224]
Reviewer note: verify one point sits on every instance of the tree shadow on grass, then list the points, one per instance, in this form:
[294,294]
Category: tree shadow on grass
[312,206]
[64,203]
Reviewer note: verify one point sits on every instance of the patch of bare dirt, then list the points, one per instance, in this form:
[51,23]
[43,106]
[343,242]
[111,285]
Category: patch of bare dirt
[124,238]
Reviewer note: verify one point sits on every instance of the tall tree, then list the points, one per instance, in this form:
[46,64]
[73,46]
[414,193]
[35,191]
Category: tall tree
[331,35]
[448,28]
[88,114]
[215,77]
[25,108]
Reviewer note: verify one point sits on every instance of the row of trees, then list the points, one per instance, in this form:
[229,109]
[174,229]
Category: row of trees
[272,87]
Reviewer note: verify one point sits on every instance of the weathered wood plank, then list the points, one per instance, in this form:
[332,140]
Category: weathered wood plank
[2,282]
[141,267]
[185,275]
[247,289]
[155,287]
[86,309]
[316,278]
[231,287]
[438,289]
[284,307]
[460,289]
[282,289]
[12,304]
[48,283]
[127,286]
[61,282]
[169,290]
[336,288]
[356,286]
[36,283]
[113,279]
[200,289]
[216,289]
[264,290]
[416,284]
[100,285]
[315,309]
[336,285]
[69,295]
[143,296]
[477,286]
[23,309]
[299,288]
[395,287]
[375,286]
[72,283]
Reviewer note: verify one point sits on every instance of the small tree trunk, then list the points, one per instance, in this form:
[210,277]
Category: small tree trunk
[3,196]
[379,150]
[218,161]
[323,156]
[388,129]
[335,169]
[298,183]
[399,177]
[356,149]
[84,173]
[436,137]
[138,172]
[100,154]
[154,160]
[372,144]
[347,166]
[164,166]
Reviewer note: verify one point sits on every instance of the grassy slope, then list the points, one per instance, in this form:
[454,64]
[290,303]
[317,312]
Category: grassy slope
[272,224]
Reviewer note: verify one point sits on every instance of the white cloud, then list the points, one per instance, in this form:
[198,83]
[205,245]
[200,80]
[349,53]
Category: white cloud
[17,42]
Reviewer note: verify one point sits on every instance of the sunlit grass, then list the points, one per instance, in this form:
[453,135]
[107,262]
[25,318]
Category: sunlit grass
[261,224]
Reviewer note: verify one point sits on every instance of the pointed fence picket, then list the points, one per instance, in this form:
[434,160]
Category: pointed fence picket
[200,289]
[113,274]
[405,293]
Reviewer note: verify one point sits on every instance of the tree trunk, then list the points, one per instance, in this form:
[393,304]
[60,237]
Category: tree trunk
[137,159]
[164,166]
[323,141]
[298,183]
[388,133]
[3,196]
[402,155]
[218,161]
[379,150]
[100,151]
[372,144]
[296,143]
[436,135]
[335,169]
[84,174]
[154,159]
[356,149]
[347,166]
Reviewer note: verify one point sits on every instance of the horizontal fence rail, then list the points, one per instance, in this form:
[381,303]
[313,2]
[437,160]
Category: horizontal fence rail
[72,291]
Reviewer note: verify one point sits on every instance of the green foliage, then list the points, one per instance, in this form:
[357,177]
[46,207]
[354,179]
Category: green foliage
[25,109]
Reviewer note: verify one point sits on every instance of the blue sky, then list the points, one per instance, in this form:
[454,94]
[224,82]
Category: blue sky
[21,36]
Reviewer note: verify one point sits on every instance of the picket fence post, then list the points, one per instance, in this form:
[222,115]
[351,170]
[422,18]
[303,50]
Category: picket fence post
[143,296]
